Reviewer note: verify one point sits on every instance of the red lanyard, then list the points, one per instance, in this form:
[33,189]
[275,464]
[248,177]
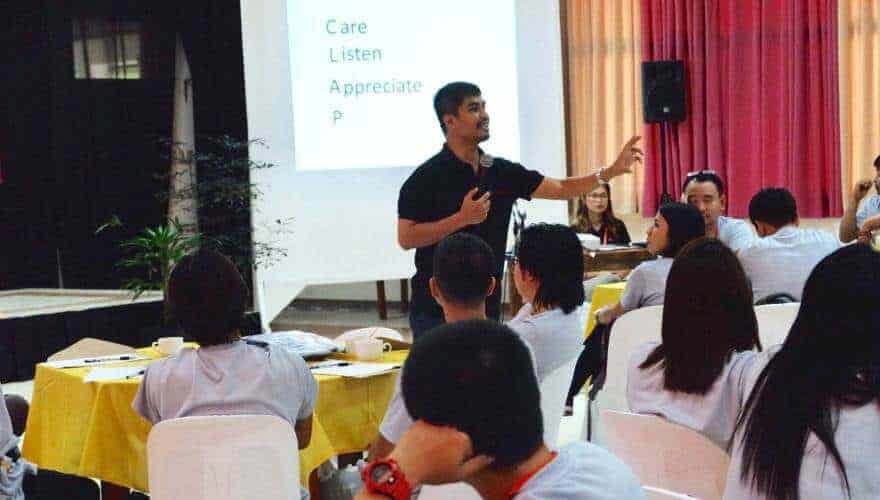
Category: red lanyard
[517,486]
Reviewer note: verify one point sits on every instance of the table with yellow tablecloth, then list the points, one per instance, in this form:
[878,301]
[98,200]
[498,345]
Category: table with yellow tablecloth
[90,429]
[603,295]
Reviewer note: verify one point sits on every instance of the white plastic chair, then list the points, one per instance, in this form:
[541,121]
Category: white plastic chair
[774,322]
[652,493]
[667,455]
[554,389]
[233,457]
[627,333]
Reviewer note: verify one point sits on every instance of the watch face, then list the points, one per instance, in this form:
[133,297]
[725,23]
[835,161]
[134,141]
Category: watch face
[379,471]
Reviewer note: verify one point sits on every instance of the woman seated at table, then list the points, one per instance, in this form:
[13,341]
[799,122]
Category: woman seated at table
[549,264]
[709,331]
[224,376]
[595,216]
[674,226]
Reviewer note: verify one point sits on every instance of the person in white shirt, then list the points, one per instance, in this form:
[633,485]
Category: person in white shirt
[705,190]
[709,331]
[675,225]
[855,215]
[484,426]
[785,254]
[551,322]
[224,376]
[548,272]
[462,280]
[811,424]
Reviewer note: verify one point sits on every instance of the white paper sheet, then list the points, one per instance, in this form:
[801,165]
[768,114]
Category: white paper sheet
[115,373]
[94,361]
[357,370]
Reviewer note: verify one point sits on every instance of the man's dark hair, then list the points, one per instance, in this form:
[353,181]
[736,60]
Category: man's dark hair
[449,98]
[877,162]
[463,265]
[685,225]
[774,206]
[704,176]
[477,376]
[208,297]
[553,254]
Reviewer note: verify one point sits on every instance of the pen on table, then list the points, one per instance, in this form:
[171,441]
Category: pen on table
[136,374]
[329,365]
[104,360]
[258,343]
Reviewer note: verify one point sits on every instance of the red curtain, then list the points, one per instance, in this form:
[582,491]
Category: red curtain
[762,99]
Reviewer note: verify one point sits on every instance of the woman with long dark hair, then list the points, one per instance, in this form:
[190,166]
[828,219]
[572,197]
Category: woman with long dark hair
[595,216]
[709,330]
[810,428]
[674,226]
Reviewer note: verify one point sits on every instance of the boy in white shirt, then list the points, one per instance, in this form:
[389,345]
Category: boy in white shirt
[782,259]
[484,426]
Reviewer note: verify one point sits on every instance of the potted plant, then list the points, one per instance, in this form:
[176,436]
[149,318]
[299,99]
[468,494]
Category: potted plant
[153,253]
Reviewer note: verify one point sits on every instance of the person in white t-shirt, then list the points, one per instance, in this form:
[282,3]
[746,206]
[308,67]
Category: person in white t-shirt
[224,376]
[548,272]
[462,280]
[705,190]
[674,226]
[785,254]
[860,208]
[484,427]
[709,330]
[810,427]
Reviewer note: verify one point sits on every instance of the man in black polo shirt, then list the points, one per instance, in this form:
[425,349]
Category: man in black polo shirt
[463,189]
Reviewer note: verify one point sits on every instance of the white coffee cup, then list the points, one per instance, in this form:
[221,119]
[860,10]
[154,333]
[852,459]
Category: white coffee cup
[369,349]
[169,346]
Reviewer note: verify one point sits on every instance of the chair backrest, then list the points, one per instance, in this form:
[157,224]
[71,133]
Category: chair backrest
[223,458]
[774,322]
[458,491]
[666,455]
[554,389]
[652,493]
[627,333]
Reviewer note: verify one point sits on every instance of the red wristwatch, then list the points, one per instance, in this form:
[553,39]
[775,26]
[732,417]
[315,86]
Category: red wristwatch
[385,477]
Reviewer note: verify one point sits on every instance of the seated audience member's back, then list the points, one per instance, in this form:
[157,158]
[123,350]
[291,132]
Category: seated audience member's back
[781,260]
[548,274]
[224,376]
[709,330]
[490,395]
[810,427]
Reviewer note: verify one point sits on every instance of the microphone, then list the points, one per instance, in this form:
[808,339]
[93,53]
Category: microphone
[485,164]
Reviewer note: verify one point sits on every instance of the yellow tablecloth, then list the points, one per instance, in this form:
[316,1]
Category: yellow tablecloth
[603,295]
[90,429]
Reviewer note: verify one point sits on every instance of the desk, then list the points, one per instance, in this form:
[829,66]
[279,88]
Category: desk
[622,259]
[90,429]
[604,295]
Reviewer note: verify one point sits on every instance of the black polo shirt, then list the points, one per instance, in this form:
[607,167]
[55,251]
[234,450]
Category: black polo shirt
[435,191]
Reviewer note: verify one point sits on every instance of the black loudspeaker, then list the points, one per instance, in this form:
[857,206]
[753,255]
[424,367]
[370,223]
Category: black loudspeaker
[663,91]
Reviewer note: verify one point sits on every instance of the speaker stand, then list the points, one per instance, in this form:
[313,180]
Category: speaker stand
[665,197]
